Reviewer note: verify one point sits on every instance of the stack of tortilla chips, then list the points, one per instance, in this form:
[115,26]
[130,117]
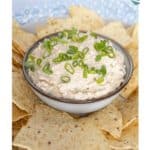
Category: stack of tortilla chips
[37,126]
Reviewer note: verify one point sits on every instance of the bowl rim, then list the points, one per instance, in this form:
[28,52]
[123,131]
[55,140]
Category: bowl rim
[71,101]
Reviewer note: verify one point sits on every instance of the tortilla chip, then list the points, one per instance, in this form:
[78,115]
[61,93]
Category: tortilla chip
[88,21]
[134,54]
[128,140]
[16,126]
[23,96]
[54,25]
[128,109]
[86,17]
[50,129]
[22,38]
[117,32]
[17,148]
[132,85]
[108,119]
[17,60]
[130,30]
[18,113]
[134,35]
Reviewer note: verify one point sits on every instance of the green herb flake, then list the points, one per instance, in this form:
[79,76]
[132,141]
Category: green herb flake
[93,34]
[69,68]
[75,63]
[72,49]
[100,80]
[65,79]
[39,61]
[47,69]
[47,44]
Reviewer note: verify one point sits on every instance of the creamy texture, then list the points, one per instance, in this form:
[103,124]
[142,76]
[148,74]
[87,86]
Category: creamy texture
[79,88]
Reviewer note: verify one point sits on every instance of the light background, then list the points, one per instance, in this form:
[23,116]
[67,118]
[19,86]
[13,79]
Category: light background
[5,75]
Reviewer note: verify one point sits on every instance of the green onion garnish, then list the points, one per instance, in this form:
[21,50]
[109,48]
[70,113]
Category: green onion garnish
[69,68]
[81,63]
[100,80]
[75,63]
[30,65]
[72,49]
[38,61]
[65,79]
[94,34]
[102,71]
[62,57]
[79,39]
[47,44]
[104,50]
[85,50]
[47,69]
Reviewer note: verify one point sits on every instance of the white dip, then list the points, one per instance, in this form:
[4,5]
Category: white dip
[77,86]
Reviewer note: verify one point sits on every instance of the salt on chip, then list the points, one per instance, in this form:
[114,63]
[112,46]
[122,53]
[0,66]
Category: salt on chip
[108,119]
[128,109]
[117,32]
[128,140]
[132,85]
[50,129]
[18,113]
[23,96]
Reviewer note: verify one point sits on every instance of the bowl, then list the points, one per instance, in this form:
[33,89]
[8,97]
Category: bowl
[79,107]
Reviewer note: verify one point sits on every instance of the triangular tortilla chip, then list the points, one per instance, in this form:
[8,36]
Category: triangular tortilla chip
[108,119]
[50,129]
[16,126]
[128,109]
[87,20]
[18,113]
[23,95]
[116,31]
[132,85]
[128,140]
[22,38]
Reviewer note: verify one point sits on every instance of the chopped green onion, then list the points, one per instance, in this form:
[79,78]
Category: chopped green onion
[102,71]
[85,50]
[47,69]
[81,63]
[100,46]
[92,70]
[65,79]
[72,49]
[100,80]
[30,65]
[31,57]
[38,61]
[75,63]
[69,68]
[98,57]
[94,34]
[85,73]
[62,57]
[80,39]
[47,44]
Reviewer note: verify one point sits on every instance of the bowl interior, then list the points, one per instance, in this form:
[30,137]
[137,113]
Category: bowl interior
[127,60]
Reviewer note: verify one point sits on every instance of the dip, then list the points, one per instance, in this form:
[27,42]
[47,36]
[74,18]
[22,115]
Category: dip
[76,65]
